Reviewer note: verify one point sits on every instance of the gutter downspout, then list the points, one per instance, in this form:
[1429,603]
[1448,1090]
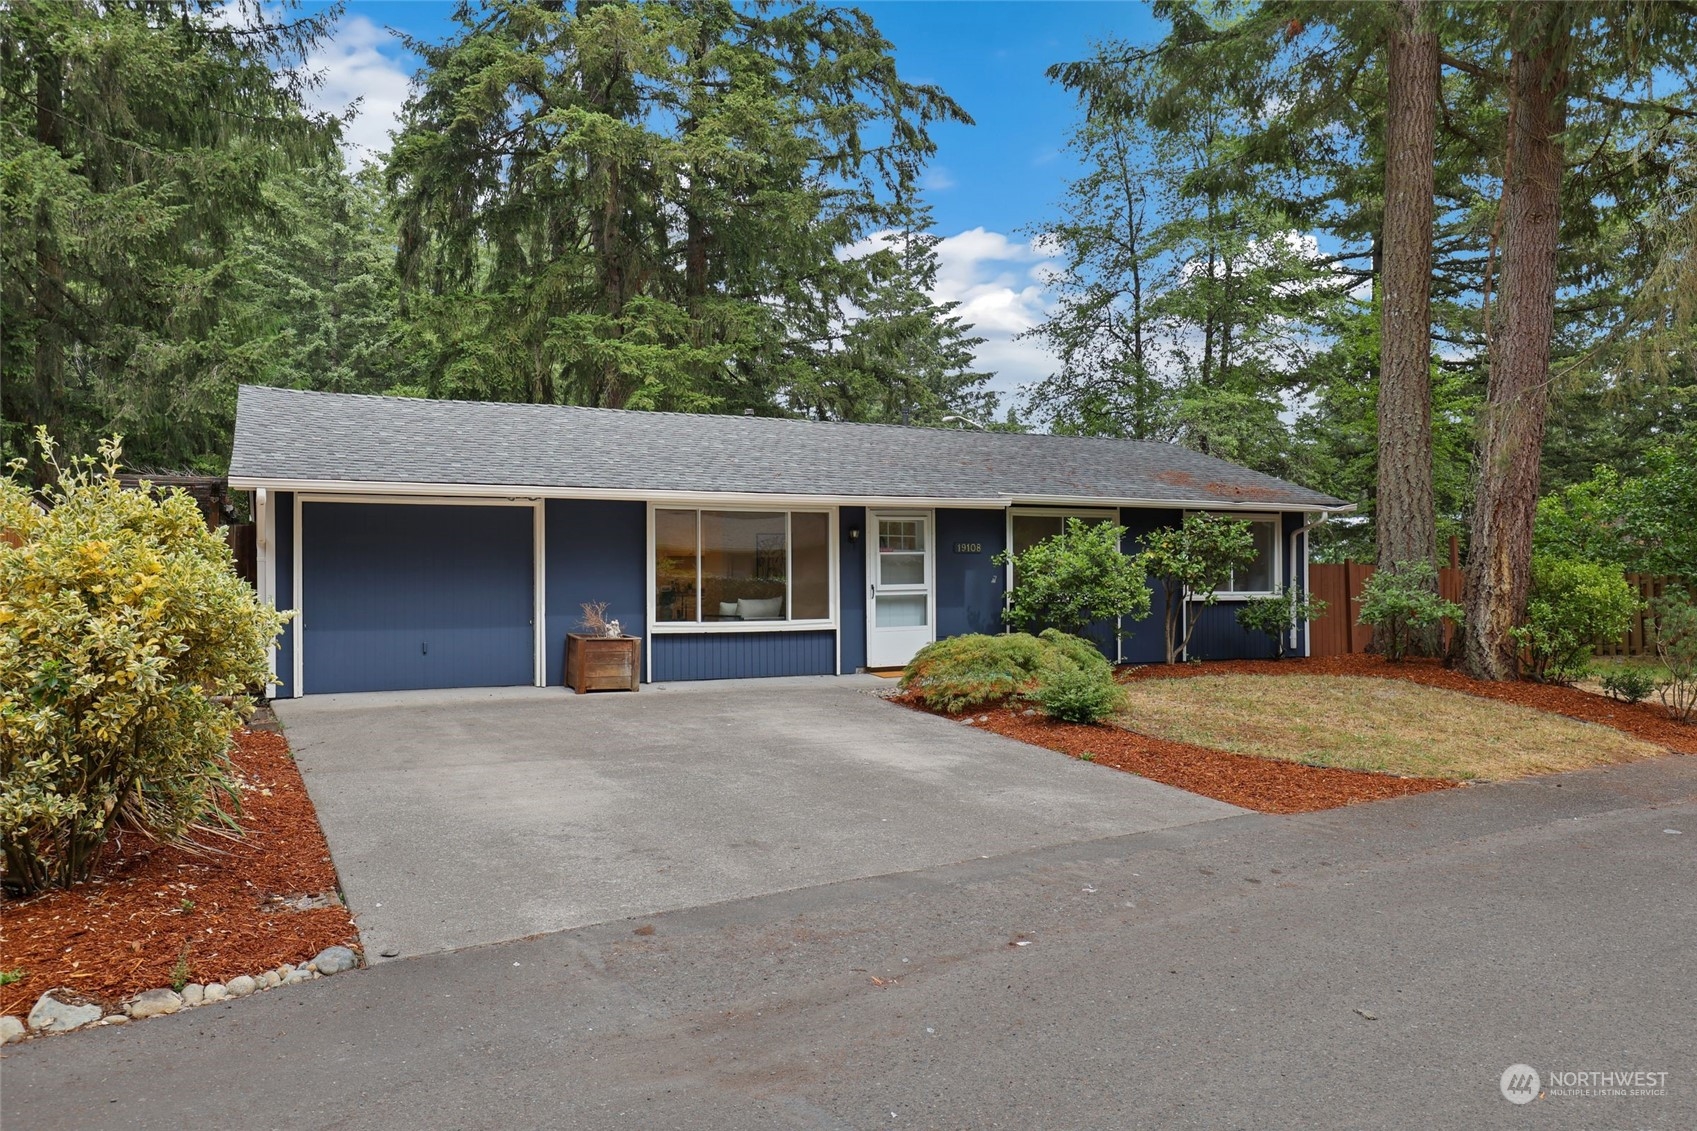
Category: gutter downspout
[1303,532]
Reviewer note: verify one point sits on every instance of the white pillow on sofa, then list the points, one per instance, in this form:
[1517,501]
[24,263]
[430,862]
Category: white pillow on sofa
[769,608]
[727,608]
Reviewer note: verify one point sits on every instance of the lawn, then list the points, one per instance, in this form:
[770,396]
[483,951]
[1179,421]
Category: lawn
[1379,725]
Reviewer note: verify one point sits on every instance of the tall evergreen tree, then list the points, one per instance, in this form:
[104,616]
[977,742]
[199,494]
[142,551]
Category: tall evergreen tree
[1584,125]
[903,358]
[643,203]
[317,290]
[1406,512]
[1187,294]
[137,139]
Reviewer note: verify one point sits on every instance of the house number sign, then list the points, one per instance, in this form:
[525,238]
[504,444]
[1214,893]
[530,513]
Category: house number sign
[969,547]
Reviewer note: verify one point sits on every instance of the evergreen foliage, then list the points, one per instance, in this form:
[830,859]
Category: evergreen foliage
[1402,601]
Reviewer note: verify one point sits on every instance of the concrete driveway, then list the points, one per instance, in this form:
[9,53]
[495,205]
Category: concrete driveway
[458,818]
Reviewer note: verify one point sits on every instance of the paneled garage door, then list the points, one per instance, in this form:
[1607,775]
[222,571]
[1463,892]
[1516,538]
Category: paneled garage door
[397,596]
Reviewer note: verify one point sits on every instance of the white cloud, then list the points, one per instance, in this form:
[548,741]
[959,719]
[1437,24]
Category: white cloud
[353,68]
[937,179]
[999,283]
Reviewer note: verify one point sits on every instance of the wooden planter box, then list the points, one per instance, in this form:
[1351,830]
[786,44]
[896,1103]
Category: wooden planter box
[603,663]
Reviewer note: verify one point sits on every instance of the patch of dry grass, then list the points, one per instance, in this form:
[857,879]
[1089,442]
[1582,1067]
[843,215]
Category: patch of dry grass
[1386,726]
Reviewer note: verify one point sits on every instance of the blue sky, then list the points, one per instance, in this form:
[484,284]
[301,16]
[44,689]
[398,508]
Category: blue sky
[988,183]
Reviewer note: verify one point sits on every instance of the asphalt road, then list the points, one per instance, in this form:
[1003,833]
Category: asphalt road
[1378,966]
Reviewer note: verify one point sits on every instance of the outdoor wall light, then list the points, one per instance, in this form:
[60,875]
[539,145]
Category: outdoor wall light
[854,533]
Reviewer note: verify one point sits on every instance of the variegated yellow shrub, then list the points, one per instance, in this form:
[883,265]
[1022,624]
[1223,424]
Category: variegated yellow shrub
[120,620]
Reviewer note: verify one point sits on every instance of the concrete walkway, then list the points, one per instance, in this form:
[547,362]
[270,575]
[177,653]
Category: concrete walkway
[470,817]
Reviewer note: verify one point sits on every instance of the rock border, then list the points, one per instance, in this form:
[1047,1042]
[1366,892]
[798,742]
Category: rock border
[55,1014]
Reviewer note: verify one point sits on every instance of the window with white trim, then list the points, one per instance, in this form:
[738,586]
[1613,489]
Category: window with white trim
[737,567]
[1261,576]
[1027,527]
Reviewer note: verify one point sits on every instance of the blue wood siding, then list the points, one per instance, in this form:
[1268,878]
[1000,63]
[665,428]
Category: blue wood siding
[969,584]
[743,655]
[851,580]
[1218,635]
[284,504]
[403,596]
[594,551]
[1144,644]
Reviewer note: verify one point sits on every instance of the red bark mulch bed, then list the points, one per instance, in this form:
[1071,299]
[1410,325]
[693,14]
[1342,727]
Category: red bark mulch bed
[1263,784]
[1648,720]
[148,905]
[1272,786]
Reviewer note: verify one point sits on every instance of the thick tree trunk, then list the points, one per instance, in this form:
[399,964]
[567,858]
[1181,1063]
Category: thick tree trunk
[1406,516]
[49,361]
[1499,557]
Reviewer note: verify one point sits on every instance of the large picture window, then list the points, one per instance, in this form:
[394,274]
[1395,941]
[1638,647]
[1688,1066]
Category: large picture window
[1261,576]
[740,567]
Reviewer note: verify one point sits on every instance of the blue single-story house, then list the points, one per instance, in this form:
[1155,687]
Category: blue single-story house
[430,544]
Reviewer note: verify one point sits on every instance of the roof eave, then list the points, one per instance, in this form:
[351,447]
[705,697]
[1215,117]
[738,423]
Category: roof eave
[536,491]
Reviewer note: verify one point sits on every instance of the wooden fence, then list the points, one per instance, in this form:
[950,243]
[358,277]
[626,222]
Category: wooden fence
[1339,631]
[1638,639]
[240,536]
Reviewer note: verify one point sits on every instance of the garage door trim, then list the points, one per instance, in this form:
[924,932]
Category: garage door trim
[538,586]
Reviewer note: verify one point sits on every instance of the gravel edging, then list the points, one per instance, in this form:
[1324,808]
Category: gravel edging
[61,1010]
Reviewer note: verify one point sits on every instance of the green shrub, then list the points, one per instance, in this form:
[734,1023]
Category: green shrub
[120,620]
[1402,600]
[1078,651]
[1675,621]
[1076,578]
[1629,685]
[963,673]
[1572,604]
[1274,615]
[1076,695]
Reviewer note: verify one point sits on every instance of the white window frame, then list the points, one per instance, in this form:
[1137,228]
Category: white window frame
[697,627]
[1112,514]
[1277,519]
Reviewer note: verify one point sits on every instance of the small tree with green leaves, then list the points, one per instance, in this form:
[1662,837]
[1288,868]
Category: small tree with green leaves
[126,643]
[1074,579]
[1675,619]
[1276,615]
[1192,561]
[1403,600]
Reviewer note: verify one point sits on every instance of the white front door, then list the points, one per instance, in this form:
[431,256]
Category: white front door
[898,572]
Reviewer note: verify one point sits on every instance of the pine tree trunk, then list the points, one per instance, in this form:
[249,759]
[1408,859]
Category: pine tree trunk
[49,361]
[1406,515]
[1517,395]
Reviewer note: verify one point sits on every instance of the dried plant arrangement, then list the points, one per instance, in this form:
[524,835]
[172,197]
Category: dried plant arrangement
[594,620]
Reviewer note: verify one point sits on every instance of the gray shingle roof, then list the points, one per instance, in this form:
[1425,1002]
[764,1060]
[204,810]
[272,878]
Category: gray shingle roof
[286,436]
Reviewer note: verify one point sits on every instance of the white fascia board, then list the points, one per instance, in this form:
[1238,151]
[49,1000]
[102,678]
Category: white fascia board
[752,498]
[1262,507]
[525,491]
